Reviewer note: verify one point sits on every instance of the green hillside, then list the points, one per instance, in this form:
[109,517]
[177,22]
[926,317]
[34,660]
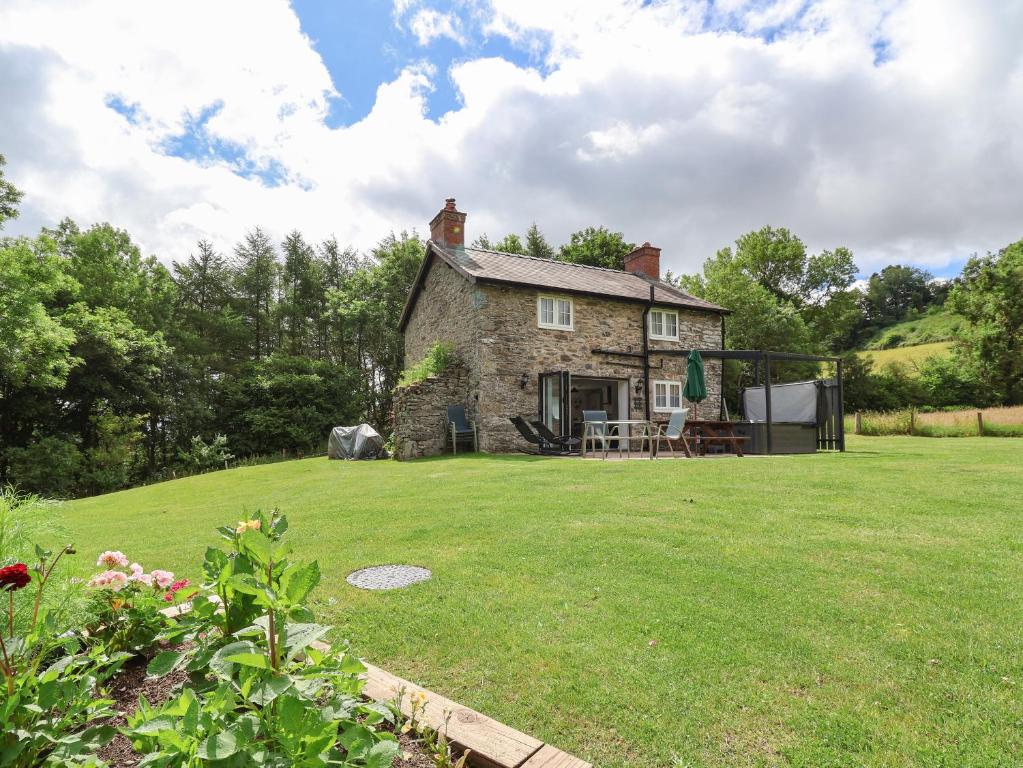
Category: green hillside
[910,357]
[938,324]
[912,341]
[829,609]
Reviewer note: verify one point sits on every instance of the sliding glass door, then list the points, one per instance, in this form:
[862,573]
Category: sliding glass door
[555,405]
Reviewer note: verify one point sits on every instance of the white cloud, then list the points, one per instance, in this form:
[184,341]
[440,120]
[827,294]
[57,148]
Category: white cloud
[428,24]
[671,122]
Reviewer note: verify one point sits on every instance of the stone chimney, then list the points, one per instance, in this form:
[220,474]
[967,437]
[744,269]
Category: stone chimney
[644,260]
[448,226]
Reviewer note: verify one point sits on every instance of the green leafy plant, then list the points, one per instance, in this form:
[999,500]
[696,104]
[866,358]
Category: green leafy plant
[202,456]
[440,357]
[262,689]
[54,714]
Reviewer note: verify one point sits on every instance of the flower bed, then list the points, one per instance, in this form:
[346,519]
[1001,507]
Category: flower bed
[240,679]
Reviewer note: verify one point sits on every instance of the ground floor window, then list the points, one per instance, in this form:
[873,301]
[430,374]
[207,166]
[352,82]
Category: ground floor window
[667,395]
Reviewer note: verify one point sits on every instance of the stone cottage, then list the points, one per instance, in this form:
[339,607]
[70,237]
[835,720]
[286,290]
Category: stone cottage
[546,339]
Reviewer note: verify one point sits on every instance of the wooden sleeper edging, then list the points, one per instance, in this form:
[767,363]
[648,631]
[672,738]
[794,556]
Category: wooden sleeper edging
[491,744]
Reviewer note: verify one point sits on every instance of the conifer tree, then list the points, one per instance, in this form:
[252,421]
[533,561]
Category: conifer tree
[536,243]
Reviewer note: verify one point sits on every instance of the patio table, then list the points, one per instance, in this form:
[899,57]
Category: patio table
[589,431]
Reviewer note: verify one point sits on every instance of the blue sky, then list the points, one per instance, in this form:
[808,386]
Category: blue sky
[363,47]
[892,127]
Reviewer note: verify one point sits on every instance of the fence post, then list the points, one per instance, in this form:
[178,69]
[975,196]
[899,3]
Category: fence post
[912,422]
[980,423]
[859,423]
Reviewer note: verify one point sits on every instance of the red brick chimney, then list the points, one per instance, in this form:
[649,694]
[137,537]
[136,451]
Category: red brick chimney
[448,226]
[644,260]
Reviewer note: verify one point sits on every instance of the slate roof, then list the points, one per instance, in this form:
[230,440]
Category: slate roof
[484,266]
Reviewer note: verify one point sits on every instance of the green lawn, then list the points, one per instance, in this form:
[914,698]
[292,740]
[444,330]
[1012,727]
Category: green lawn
[856,609]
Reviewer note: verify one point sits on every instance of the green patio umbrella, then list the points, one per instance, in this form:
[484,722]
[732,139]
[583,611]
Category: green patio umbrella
[696,387]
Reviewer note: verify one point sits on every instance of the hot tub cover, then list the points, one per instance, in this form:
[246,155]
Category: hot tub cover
[794,403]
[358,442]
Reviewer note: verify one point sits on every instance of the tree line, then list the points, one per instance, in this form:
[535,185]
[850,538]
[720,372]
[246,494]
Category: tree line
[111,363]
[116,370]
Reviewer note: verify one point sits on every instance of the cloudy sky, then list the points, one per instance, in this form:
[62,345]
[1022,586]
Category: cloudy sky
[894,127]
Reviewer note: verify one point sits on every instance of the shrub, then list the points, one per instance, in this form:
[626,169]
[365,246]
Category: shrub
[440,357]
[49,466]
[892,340]
[953,381]
[202,456]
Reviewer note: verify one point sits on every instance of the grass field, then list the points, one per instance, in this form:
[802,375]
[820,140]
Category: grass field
[907,356]
[825,610]
[938,324]
[1002,421]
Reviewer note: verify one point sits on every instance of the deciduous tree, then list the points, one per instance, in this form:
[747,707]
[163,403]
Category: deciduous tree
[597,247]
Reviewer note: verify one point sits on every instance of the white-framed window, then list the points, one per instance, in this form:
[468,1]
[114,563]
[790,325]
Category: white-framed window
[664,324]
[667,395]
[555,312]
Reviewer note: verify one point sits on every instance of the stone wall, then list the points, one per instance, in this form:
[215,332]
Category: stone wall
[514,350]
[448,311]
[420,412]
[445,311]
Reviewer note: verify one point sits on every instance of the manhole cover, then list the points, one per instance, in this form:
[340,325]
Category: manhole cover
[388,576]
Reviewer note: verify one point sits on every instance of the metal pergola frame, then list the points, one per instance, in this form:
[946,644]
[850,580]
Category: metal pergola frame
[764,357]
[759,357]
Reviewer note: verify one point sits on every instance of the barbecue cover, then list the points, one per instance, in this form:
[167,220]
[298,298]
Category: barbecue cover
[358,442]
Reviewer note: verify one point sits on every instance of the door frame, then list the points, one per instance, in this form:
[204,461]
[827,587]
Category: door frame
[564,379]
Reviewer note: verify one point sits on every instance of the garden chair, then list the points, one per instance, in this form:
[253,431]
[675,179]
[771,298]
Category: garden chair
[595,428]
[461,430]
[673,430]
[566,443]
[542,445]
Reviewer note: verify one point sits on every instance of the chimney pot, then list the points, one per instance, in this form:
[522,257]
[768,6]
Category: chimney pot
[448,226]
[644,260]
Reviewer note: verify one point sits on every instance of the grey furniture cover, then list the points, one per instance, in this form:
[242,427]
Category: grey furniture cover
[359,442]
[794,403]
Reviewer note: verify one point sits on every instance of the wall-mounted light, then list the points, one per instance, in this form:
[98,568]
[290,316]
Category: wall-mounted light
[639,386]
[523,380]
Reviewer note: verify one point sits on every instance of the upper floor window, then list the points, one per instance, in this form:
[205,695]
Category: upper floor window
[555,312]
[664,324]
[667,395]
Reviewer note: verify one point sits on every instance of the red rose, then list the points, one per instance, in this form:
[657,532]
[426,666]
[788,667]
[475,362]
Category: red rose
[14,577]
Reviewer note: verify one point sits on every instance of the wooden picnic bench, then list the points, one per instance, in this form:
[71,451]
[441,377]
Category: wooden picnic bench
[706,432]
